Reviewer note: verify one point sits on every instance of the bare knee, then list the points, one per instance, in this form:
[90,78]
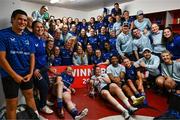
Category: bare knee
[125,88]
[113,86]
[91,82]
[60,83]
[160,81]
[28,94]
[170,83]
[105,93]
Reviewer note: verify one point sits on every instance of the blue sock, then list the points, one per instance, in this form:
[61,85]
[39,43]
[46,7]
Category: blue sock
[59,103]
[143,94]
[74,112]
[137,94]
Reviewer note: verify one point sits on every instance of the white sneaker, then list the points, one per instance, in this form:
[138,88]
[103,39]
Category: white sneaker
[82,114]
[126,115]
[49,103]
[132,109]
[47,110]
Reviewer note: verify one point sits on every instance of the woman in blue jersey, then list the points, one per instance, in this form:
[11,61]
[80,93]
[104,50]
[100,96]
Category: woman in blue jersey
[41,79]
[172,42]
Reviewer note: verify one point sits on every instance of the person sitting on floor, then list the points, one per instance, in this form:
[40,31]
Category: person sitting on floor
[64,90]
[170,77]
[133,79]
[116,73]
[105,88]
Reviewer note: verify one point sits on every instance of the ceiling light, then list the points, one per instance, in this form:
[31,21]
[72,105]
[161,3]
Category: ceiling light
[54,1]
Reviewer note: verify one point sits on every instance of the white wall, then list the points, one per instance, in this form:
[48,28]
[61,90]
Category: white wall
[7,6]
[58,12]
[148,6]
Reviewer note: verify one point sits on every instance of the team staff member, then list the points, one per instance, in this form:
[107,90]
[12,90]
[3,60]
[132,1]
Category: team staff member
[142,23]
[41,79]
[41,14]
[156,39]
[170,77]
[17,62]
[150,64]
[124,42]
[140,42]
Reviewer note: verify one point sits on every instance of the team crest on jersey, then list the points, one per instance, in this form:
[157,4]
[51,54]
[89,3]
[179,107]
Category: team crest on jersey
[36,45]
[172,44]
[26,42]
[12,39]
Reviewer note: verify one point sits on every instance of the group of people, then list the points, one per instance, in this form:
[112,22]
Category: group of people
[131,49]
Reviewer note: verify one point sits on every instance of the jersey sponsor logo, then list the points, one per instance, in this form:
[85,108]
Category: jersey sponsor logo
[19,52]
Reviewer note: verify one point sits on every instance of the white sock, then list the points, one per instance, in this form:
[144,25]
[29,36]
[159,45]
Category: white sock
[37,113]
[120,107]
[126,102]
[133,97]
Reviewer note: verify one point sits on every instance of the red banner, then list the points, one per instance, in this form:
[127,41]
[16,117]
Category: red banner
[81,74]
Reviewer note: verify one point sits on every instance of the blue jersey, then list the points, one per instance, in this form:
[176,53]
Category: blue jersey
[59,43]
[57,61]
[73,33]
[109,54]
[100,24]
[131,73]
[110,26]
[40,52]
[93,41]
[101,40]
[18,49]
[112,41]
[67,79]
[116,12]
[83,41]
[174,46]
[78,27]
[97,60]
[83,26]
[66,56]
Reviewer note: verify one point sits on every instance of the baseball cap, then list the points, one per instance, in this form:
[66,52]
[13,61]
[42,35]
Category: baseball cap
[140,12]
[146,49]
